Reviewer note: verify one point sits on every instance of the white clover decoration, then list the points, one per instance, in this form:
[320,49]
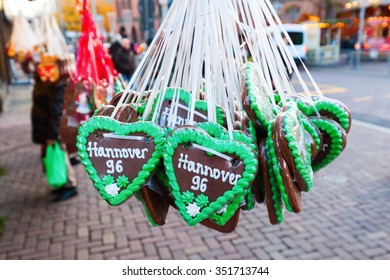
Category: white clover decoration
[112,189]
[193,209]
[223,209]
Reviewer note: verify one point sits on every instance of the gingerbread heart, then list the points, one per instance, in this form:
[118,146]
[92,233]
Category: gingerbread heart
[154,202]
[335,110]
[255,99]
[291,194]
[104,110]
[181,100]
[334,141]
[119,158]
[275,171]
[271,194]
[313,136]
[295,150]
[229,226]
[208,177]
[328,108]
[219,132]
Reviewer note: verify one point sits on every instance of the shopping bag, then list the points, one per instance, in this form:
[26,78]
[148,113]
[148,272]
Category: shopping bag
[55,165]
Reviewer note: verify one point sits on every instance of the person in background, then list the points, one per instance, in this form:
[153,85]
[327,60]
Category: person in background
[115,45]
[123,32]
[46,115]
[124,59]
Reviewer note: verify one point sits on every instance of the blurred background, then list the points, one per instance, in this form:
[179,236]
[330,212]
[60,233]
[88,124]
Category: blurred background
[332,26]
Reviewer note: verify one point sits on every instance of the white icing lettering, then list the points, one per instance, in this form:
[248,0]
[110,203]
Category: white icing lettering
[168,119]
[114,153]
[118,153]
[101,152]
[205,170]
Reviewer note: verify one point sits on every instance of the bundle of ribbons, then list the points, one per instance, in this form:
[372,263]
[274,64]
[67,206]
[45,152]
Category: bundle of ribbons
[210,124]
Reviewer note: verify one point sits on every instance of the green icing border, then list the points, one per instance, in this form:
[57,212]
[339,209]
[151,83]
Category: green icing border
[336,110]
[328,105]
[276,195]
[337,142]
[305,170]
[274,166]
[219,132]
[213,129]
[108,124]
[309,128]
[249,69]
[233,197]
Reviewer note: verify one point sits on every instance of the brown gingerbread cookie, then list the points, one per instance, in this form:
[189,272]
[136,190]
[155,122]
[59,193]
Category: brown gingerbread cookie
[290,187]
[284,151]
[154,201]
[105,110]
[151,195]
[271,193]
[230,225]
[255,99]
[116,98]
[334,141]
[126,114]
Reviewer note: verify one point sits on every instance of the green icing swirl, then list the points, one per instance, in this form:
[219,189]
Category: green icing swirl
[341,115]
[202,200]
[303,165]
[274,166]
[312,131]
[336,137]
[213,129]
[336,110]
[187,197]
[250,71]
[276,195]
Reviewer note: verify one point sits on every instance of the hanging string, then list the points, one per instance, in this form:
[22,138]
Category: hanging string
[200,48]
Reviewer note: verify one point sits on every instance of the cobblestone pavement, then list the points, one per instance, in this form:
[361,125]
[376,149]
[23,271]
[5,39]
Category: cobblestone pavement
[345,216]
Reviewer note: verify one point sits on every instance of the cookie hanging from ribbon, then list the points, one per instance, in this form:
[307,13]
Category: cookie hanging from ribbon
[119,158]
[195,163]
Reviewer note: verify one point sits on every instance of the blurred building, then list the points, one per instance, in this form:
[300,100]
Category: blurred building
[376,33]
[141,18]
[293,11]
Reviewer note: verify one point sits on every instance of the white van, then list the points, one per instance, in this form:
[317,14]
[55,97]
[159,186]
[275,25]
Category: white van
[298,35]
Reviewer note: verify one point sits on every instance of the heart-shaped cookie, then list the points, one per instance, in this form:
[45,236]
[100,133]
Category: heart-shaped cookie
[291,194]
[119,158]
[104,110]
[328,108]
[208,177]
[313,136]
[335,110]
[272,195]
[255,99]
[154,202]
[295,150]
[181,100]
[334,141]
[229,226]
[219,132]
